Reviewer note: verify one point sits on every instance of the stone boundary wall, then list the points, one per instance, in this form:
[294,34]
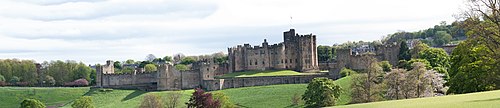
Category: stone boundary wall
[219,84]
[115,80]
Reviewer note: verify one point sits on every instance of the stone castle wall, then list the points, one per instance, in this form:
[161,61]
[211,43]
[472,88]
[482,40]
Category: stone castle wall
[219,84]
[297,52]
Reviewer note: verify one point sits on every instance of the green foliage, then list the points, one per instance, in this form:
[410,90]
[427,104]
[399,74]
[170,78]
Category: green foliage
[25,70]
[14,80]
[325,53]
[181,67]
[404,51]
[83,102]
[321,92]
[386,66]
[443,71]
[82,71]
[151,101]
[473,69]
[129,61]
[441,38]
[223,99]
[167,58]
[150,68]
[346,72]
[437,57]
[49,80]
[2,79]
[32,103]
[187,60]
[220,60]
[409,66]
[415,52]
[117,65]
[128,70]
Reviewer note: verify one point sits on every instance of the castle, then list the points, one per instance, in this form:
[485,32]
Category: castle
[296,52]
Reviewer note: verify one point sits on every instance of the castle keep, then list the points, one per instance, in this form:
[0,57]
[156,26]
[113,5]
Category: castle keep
[297,52]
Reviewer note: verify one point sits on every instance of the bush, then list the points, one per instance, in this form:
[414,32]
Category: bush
[83,102]
[321,92]
[77,83]
[181,67]
[2,79]
[346,72]
[295,99]
[150,68]
[14,80]
[49,80]
[200,99]
[151,101]
[32,103]
[386,66]
[223,99]
[173,99]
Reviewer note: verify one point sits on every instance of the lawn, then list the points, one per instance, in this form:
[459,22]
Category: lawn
[264,73]
[489,99]
[274,96]
[11,97]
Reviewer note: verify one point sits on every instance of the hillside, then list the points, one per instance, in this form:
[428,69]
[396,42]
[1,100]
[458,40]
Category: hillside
[258,96]
[11,97]
[489,99]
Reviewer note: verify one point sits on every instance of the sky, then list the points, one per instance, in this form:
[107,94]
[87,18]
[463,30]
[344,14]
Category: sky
[93,31]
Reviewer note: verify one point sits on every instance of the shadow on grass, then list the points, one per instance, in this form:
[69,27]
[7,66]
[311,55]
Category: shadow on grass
[133,95]
[484,100]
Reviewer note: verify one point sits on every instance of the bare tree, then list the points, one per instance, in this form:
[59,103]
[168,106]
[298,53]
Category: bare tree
[151,101]
[150,57]
[367,87]
[395,83]
[173,99]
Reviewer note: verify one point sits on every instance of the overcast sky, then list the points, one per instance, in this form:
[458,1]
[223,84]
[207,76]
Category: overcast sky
[93,31]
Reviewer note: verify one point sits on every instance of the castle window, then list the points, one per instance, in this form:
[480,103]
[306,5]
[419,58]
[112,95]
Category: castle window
[256,62]
[286,60]
[250,62]
[290,60]
[281,61]
[208,69]
[264,63]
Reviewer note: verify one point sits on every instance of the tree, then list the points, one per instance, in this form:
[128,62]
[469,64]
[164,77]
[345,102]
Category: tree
[295,99]
[49,80]
[346,72]
[223,99]
[420,46]
[83,102]
[321,92]
[150,68]
[436,57]
[2,79]
[128,70]
[14,80]
[150,57]
[129,61]
[167,59]
[325,53]
[409,65]
[476,61]
[173,99]
[151,101]
[32,103]
[187,60]
[404,51]
[395,82]
[181,67]
[386,66]
[117,65]
[82,71]
[442,38]
[367,87]
[200,99]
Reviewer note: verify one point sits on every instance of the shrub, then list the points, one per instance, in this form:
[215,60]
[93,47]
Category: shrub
[2,78]
[223,99]
[83,102]
[77,83]
[173,99]
[32,103]
[200,99]
[295,99]
[150,68]
[346,72]
[321,92]
[181,67]
[386,66]
[151,101]
[14,80]
[49,80]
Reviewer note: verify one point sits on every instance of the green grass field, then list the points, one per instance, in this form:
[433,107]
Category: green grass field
[489,99]
[11,97]
[259,96]
[264,73]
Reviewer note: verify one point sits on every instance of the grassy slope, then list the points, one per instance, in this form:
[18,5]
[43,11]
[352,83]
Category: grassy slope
[489,99]
[11,97]
[259,96]
[263,73]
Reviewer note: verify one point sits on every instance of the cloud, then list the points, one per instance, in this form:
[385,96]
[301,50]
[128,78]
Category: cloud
[73,10]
